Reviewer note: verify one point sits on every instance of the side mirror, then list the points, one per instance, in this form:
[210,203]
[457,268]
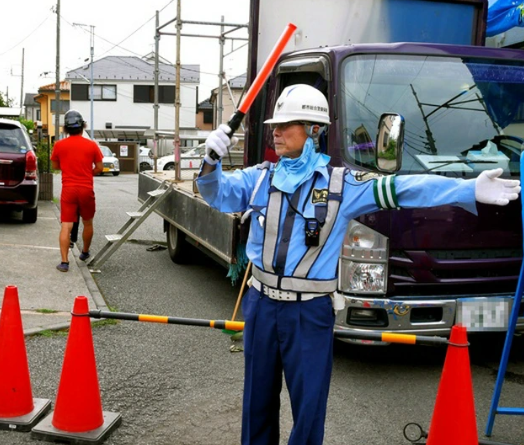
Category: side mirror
[390,142]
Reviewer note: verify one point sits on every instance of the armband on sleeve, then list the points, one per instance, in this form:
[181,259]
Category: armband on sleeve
[384,192]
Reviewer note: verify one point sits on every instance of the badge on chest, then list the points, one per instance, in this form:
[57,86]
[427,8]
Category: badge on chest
[319,196]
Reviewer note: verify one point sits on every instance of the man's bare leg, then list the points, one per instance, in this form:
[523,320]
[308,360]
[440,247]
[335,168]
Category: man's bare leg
[87,234]
[63,239]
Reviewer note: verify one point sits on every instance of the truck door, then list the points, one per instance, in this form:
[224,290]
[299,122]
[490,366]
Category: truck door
[311,70]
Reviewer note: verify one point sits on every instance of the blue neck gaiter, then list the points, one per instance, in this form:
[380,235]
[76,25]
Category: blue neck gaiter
[291,173]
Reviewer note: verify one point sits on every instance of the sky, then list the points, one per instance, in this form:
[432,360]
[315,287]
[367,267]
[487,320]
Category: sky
[121,28]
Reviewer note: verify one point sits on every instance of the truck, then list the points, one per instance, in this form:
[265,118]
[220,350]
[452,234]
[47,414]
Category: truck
[413,271]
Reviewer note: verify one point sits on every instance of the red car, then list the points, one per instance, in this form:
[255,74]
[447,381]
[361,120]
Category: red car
[18,171]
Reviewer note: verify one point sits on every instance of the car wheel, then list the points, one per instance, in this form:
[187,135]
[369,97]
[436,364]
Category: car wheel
[170,166]
[116,173]
[145,166]
[30,216]
[176,244]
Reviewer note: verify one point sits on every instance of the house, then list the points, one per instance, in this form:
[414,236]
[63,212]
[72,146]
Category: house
[204,115]
[31,108]
[47,99]
[231,95]
[123,96]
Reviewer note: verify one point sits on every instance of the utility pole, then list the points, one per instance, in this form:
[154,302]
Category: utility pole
[177,92]
[57,81]
[222,41]
[156,106]
[92,123]
[22,86]
[91,81]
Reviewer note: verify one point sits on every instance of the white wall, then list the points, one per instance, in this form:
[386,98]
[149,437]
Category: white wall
[124,112]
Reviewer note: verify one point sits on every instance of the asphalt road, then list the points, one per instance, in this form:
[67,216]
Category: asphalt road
[182,385]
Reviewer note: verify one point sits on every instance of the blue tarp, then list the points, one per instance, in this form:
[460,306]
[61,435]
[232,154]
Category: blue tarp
[504,15]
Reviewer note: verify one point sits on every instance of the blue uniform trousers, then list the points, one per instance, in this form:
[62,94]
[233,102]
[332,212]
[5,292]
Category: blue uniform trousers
[296,338]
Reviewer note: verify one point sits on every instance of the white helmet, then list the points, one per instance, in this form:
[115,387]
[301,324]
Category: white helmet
[300,103]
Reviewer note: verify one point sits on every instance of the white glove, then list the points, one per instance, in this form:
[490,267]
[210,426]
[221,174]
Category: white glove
[489,189]
[218,141]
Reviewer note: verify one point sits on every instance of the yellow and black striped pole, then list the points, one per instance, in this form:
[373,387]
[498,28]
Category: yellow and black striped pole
[387,337]
[391,337]
[217,324]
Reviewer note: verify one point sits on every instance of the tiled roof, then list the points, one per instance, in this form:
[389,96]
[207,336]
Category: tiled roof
[238,82]
[133,68]
[29,100]
[205,105]
[64,86]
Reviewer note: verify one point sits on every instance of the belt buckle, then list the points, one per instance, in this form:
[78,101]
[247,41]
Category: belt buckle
[276,294]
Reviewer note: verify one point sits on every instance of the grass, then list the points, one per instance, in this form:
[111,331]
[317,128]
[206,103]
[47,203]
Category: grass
[46,311]
[64,332]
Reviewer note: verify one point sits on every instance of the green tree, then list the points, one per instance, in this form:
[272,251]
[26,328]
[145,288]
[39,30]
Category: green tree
[5,102]
[30,125]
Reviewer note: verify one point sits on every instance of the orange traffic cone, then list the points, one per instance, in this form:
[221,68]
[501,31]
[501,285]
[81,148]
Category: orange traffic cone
[18,409]
[78,412]
[453,421]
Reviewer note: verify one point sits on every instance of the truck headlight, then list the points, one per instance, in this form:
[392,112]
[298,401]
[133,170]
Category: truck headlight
[363,263]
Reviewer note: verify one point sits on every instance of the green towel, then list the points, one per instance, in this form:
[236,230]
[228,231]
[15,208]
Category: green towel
[235,270]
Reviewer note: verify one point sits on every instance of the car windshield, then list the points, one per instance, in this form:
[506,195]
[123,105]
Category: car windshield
[12,140]
[106,151]
[196,152]
[461,115]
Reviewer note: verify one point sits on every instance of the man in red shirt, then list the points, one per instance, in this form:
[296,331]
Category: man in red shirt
[79,159]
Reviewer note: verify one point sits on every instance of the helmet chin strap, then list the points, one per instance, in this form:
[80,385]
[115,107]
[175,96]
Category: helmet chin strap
[315,135]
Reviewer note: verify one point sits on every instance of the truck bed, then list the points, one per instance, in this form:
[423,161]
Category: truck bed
[210,230]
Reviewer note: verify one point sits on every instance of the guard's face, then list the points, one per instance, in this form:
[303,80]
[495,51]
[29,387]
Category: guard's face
[289,139]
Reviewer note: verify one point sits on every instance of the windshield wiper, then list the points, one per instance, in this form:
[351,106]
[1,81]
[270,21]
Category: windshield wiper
[457,161]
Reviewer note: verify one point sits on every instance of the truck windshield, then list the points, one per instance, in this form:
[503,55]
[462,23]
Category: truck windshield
[461,115]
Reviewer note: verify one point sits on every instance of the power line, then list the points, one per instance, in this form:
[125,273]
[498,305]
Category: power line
[26,37]
[140,27]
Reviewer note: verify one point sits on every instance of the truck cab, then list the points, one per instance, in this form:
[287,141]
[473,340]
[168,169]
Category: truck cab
[421,271]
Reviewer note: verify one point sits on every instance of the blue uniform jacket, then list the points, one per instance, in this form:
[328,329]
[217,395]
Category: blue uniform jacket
[231,192]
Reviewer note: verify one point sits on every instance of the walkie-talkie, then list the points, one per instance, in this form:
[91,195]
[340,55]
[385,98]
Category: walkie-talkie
[312,232]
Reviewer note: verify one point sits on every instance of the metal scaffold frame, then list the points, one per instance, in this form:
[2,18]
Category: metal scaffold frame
[222,37]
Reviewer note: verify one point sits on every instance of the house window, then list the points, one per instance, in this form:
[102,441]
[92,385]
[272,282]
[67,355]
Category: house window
[100,92]
[79,92]
[64,106]
[103,92]
[146,94]
[208,116]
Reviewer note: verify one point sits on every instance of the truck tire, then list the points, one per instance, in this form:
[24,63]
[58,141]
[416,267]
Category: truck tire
[177,246]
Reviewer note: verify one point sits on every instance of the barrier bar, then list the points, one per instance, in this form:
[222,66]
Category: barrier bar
[387,337]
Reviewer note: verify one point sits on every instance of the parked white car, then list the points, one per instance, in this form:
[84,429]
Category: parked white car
[190,160]
[111,164]
[145,159]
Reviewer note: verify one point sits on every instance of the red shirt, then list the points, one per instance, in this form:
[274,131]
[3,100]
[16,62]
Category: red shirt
[76,155]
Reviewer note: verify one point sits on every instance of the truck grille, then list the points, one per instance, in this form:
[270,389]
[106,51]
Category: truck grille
[460,272]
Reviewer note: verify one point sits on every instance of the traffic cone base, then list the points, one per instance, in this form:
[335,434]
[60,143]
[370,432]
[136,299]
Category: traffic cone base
[27,421]
[453,421]
[46,431]
[16,397]
[78,417]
